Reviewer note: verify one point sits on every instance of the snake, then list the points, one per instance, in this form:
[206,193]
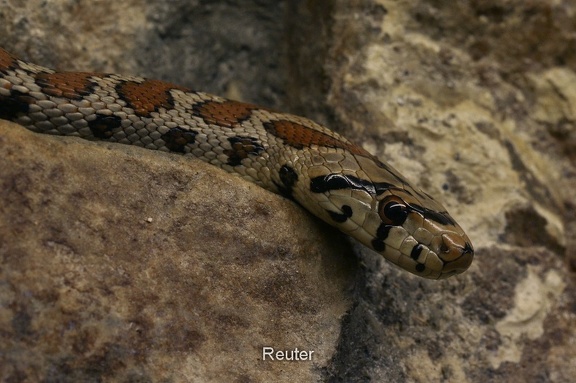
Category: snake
[334,179]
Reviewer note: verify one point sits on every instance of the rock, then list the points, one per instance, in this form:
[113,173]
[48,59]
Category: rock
[472,100]
[127,264]
[476,101]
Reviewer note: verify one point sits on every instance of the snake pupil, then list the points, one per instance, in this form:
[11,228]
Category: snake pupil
[396,212]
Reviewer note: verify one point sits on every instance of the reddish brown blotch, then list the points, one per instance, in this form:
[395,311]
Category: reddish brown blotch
[71,85]
[148,96]
[7,60]
[226,114]
[300,136]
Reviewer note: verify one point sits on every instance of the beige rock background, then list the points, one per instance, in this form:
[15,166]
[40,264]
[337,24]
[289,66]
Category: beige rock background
[475,101]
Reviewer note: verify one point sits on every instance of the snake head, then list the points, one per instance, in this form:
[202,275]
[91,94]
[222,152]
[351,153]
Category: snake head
[406,226]
[420,237]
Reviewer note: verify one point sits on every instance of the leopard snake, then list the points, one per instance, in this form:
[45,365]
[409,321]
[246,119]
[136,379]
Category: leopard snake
[336,180]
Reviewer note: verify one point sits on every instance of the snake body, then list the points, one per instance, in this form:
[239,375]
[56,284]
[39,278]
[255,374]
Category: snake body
[334,179]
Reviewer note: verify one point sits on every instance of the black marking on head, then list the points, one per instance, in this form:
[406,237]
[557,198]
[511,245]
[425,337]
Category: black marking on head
[347,210]
[416,251]
[420,267]
[14,105]
[322,184]
[337,217]
[242,147]
[383,231]
[440,217]
[381,235]
[335,181]
[378,245]
[103,126]
[289,177]
[341,217]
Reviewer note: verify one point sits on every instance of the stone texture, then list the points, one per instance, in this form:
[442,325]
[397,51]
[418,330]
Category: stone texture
[473,100]
[123,263]
[476,101]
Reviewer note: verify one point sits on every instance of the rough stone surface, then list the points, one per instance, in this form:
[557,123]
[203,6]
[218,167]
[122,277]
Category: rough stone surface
[122,263]
[476,101]
[473,100]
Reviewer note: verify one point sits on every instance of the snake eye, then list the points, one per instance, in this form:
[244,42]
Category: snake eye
[393,210]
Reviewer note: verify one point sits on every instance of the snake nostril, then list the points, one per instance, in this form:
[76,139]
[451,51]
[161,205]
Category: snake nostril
[444,248]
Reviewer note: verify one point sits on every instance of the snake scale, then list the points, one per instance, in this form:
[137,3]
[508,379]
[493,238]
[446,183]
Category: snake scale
[336,180]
